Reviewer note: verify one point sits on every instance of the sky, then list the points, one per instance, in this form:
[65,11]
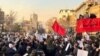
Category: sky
[45,9]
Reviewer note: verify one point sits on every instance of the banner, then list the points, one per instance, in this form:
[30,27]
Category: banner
[82,53]
[88,25]
[59,29]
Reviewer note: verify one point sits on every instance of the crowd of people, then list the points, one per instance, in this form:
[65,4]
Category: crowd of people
[43,44]
[15,44]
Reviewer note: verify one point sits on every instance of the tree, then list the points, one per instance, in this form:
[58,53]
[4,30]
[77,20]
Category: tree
[9,20]
[49,24]
[16,28]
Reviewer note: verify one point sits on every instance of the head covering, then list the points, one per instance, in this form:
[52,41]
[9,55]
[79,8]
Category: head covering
[65,39]
[10,45]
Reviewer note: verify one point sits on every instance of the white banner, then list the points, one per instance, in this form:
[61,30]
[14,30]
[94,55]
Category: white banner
[82,53]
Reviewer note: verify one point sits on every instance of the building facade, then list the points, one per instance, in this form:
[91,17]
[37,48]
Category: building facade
[26,25]
[89,6]
[31,25]
[68,18]
[34,20]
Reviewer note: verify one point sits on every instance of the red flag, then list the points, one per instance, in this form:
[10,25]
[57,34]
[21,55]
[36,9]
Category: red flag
[55,26]
[59,29]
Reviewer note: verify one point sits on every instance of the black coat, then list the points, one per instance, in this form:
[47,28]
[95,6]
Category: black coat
[10,52]
[22,49]
[69,51]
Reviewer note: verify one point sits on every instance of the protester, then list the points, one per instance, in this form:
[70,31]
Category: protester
[11,50]
[49,45]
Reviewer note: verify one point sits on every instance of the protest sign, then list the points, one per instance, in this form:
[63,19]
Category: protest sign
[82,53]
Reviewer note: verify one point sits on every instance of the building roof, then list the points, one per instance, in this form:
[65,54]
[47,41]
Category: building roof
[79,7]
